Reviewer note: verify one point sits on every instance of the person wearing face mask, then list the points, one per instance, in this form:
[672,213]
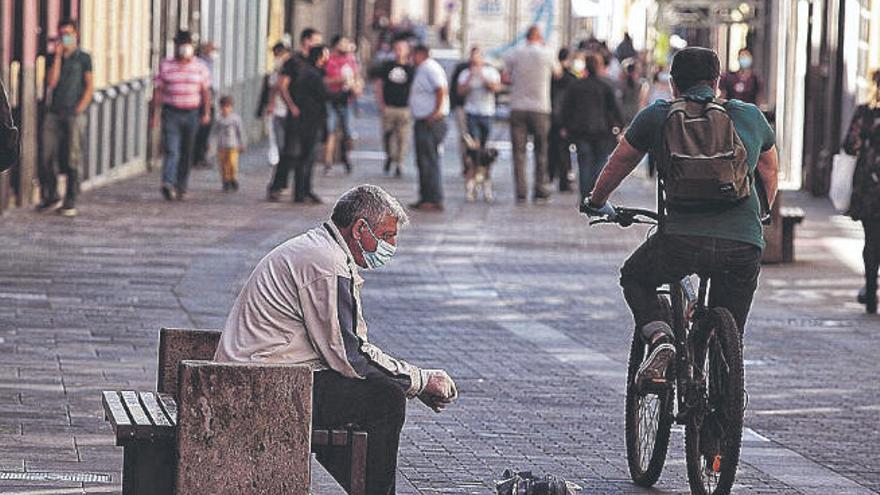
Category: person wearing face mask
[743,84]
[558,154]
[70,89]
[302,305]
[591,119]
[182,100]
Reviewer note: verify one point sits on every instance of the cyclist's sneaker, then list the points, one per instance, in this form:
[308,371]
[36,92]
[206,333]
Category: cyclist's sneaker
[653,370]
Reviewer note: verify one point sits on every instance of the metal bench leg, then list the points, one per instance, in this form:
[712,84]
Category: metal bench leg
[787,241]
[148,468]
[358,463]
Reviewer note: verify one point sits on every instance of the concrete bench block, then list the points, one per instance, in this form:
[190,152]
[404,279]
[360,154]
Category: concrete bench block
[176,345]
[243,428]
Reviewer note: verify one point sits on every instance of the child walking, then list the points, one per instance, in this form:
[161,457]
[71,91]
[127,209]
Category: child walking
[228,135]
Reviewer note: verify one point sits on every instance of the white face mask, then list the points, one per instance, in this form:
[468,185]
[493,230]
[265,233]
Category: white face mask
[579,65]
[382,255]
[186,51]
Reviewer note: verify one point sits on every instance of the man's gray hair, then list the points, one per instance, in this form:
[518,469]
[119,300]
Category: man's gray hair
[369,202]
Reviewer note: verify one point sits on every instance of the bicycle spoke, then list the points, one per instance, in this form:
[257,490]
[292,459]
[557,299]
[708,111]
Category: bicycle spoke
[649,420]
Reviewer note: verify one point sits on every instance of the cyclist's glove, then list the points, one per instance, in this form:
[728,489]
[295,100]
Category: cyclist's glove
[606,210]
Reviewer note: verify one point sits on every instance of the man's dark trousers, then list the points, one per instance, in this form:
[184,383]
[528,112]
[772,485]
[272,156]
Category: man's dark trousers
[429,135]
[299,153]
[179,127]
[375,405]
[732,265]
[62,141]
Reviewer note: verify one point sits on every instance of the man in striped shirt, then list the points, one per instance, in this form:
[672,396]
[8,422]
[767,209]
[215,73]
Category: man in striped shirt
[180,96]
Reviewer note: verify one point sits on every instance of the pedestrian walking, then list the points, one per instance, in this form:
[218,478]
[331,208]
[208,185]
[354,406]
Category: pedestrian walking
[304,130]
[343,80]
[302,305]
[429,104]
[558,153]
[287,79]
[477,85]
[272,106]
[10,142]
[392,95]
[528,70]
[742,84]
[456,109]
[633,90]
[863,140]
[70,89]
[207,53]
[228,136]
[182,100]
[591,119]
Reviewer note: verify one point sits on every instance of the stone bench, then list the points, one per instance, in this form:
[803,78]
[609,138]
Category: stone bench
[791,216]
[148,427]
[223,434]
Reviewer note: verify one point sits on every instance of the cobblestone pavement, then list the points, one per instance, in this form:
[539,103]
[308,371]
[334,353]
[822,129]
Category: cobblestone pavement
[520,303]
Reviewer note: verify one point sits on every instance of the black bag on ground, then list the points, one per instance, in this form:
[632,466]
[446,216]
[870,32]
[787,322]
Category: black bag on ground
[525,483]
[9,137]
[703,163]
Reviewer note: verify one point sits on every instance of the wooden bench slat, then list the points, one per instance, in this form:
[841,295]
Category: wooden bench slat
[134,408]
[169,405]
[114,410]
[151,405]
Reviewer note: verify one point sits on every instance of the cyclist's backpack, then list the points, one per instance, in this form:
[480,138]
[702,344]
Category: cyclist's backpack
[703,161]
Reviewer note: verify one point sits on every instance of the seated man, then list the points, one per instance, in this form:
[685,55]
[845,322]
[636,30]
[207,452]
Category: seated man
[302,305]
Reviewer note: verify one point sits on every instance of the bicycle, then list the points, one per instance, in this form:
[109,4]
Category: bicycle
[704,385]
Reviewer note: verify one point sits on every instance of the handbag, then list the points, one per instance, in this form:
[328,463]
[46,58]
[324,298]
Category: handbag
[843,167]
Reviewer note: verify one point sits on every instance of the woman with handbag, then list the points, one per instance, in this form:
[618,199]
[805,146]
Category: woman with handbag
[863,140]
[9,140]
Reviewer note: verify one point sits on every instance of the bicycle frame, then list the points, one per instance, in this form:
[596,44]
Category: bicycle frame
[688,309]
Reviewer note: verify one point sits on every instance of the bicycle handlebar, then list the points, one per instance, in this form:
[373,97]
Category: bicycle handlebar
[629,216]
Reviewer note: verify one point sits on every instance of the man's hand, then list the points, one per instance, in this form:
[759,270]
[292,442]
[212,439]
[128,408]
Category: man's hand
[591,210]
[439,390]
[206,119]
[294,111]
[435,117]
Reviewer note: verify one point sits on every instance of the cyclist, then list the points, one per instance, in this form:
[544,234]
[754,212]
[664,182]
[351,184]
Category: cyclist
[724,243]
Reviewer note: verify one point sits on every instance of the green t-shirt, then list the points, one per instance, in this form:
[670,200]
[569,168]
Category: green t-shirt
[741,222]
[71,83]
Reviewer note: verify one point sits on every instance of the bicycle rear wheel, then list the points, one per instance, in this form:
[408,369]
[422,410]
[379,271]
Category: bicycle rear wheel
[648,418]
[713,433]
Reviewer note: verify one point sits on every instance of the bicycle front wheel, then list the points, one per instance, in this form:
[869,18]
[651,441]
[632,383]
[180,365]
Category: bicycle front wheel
[713,432]
[648,418]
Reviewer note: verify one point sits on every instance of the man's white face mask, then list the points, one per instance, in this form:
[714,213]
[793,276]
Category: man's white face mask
[381,256]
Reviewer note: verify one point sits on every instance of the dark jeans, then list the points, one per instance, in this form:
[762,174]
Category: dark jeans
[558,158]
[871,257]
[479,127]
[179,129]
[375,405]
[203,135]
[428,137]
[591,157]
[301,138]
[732,265]
[62,144]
